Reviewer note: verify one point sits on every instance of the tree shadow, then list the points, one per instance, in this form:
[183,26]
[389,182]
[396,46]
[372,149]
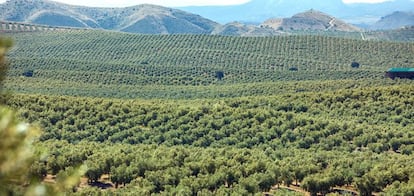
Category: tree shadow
[101,185]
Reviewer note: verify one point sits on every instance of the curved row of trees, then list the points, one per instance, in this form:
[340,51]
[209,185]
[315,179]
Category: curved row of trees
[106,58]
[238,145]
[149,169]
[378,119]
[317,133]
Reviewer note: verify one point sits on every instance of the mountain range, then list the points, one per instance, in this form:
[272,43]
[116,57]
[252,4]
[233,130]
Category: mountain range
[394,21]
[152,19]
[147,19]
[257,11]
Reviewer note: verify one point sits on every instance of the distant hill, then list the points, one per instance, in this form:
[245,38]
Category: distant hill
[260,10]
[395,20]
[240,29]
[310,20]
[112,58]
[151,19]
[404,34]
[147,19]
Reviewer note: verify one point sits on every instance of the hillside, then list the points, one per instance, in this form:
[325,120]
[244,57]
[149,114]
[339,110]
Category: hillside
[405,34]
[147,19]
[151,19]
[357,136]
[256,11]
[213,115]
[240,29]
[85,60]
[310,20]
[395,20]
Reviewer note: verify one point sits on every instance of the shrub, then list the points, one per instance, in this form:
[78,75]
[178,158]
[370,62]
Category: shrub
[355,64]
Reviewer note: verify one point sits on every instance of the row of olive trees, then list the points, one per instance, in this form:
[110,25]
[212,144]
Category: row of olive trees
[157,168]
[193,60]
[311,120]
[20,173]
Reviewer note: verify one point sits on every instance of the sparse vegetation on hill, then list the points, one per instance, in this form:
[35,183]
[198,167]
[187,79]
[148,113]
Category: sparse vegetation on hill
[146,19]
[405,34]
[395,20]
[310,20]
[152,19]
[240,29]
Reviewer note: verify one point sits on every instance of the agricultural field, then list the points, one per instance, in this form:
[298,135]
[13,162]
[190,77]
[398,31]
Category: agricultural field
[215,115]
[13,27]
[95,63]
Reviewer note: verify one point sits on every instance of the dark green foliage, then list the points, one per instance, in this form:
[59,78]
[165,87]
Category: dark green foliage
[293,69]
[355,64]
[28,73]
[219,75]
[246,145]
[5,45]
[261,126]
[304,120]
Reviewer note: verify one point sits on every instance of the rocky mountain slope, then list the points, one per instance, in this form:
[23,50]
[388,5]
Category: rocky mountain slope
[152,19]
[259,10]
[309,20]
[240,29]
[149,19]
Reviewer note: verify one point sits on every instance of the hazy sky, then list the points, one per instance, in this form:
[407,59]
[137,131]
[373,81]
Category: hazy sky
[172,3]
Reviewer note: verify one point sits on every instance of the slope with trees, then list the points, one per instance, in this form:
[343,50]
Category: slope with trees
[239,145]
[96,59]
[247,114]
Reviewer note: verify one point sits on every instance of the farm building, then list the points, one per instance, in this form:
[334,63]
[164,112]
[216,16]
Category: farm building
[400,73]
